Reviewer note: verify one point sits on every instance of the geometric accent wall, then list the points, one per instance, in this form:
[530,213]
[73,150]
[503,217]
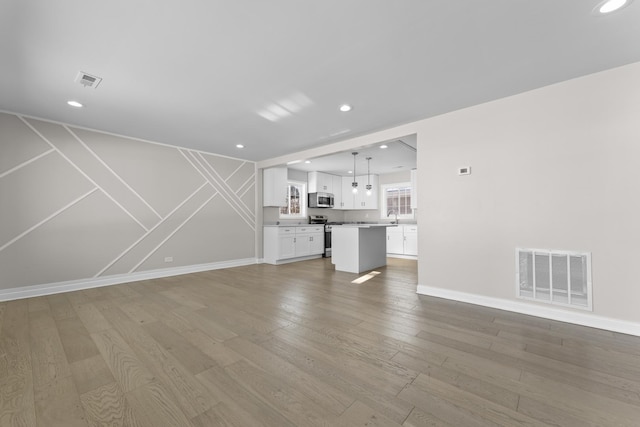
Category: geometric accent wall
[80,204]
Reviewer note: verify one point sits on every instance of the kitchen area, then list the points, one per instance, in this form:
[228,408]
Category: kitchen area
[355,207]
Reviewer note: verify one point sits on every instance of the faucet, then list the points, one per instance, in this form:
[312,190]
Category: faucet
[393,211]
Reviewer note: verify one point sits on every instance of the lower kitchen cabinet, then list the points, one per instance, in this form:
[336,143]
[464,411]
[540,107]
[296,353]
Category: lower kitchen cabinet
[395,240]
[309,241]
[411,240]
[402,240]
[295,243]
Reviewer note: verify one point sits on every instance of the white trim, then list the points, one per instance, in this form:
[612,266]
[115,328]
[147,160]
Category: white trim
[47,219]
[547,312]
[248,184]
[222,183]
[246,190]
[118,177]
[232,173]
[76,285]
[25,163]
[145,235]
[232,199]
[304,205]
[296,259]
[154,250]
[64,156]
[414,257]
[122,136]
[383,200]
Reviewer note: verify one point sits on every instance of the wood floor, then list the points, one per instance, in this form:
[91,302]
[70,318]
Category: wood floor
[300,345]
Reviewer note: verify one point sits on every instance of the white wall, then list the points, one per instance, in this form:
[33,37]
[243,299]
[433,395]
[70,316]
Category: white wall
[81,208]
[552,168]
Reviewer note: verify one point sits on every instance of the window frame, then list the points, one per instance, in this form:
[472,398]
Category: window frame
[383,200]
[302,186]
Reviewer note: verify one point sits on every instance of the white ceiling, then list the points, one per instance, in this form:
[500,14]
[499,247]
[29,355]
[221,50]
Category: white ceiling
[399,155]
[271,74]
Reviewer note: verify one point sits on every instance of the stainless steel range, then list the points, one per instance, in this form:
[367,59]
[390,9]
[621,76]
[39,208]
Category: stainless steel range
[322,219]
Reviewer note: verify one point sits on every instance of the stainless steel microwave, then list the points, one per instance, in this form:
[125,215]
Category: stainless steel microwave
[320,200]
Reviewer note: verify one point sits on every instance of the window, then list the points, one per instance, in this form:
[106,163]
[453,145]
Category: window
[396,199]
[296,200]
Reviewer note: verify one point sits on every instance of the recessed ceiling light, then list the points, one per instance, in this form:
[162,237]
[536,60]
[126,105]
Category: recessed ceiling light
[239,146]
[74,104]
[345,107]
[609,6]
[350,172]
[307,161]
[383,146]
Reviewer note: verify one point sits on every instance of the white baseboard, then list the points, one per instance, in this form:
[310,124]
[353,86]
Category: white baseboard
[578,318]
[76,285]
[402,256]
[290,260]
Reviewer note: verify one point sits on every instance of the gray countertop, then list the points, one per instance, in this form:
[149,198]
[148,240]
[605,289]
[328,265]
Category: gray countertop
[364,225]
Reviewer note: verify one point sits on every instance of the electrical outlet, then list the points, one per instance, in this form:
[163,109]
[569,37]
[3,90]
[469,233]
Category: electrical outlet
[168,259]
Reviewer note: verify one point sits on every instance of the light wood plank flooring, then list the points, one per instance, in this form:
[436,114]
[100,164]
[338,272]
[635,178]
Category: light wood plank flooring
[300,345]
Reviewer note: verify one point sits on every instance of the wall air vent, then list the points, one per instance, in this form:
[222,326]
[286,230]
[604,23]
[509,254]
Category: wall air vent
[555,277]
[88,80]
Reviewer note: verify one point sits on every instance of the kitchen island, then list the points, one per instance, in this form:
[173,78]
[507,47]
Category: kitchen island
[359,247]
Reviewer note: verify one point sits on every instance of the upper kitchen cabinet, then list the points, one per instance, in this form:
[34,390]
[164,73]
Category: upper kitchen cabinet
[337,192]
[274,187]
[320,182]
[360,200]
[364,200]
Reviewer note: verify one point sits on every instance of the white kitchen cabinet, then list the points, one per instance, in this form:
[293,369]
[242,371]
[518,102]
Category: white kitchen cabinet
[309,240]
[302,245]
[337,192]
[295,243]
[402,240]
[411,240]
[360,200]
[274,187]
[320,182]
[395,240]
[358,247]
[347,193]
[326,183]
[316,244]
[286,243]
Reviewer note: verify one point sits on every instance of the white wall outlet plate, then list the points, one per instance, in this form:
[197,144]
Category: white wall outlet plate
[168,259]
[464,170]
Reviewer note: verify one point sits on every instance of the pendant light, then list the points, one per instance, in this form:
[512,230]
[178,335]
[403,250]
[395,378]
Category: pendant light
[368,176]
[354,184]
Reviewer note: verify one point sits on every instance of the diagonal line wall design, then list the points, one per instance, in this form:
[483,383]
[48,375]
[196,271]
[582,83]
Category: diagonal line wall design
[121,229]
[96,171]
[205,169]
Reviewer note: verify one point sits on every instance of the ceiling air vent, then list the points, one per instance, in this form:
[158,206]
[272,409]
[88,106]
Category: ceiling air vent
[87,80]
